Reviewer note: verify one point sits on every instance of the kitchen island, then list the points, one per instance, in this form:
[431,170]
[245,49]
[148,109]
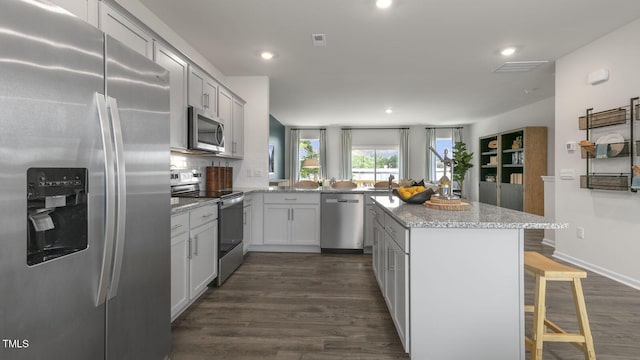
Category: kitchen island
[454,280]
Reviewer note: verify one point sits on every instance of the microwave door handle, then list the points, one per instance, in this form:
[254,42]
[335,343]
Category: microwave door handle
[220,136]
[121,197]
[110,205]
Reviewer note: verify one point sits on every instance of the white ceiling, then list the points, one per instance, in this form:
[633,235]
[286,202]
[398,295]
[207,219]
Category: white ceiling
[431,61]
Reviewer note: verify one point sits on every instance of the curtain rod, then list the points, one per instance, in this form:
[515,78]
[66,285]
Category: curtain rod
[451,127]
[374,128]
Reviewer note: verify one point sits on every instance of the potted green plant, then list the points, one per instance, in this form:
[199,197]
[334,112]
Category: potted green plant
[461,163]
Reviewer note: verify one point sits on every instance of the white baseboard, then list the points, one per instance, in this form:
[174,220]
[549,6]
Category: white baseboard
[549,242]
[623,279]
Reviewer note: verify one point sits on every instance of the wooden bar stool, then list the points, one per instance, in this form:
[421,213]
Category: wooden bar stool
[545,269]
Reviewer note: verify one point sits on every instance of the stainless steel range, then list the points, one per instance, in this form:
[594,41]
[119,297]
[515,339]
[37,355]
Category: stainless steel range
[186,184]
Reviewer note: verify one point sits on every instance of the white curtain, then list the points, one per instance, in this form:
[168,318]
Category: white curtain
[457,135]
[323,154]
[430,163]
[294,161]
[345,172]
[403,161]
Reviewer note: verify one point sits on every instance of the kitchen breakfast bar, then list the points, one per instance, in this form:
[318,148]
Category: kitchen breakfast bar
[454,280]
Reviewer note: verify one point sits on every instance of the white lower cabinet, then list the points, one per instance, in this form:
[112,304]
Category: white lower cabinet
[257,219]
[276,224]
[203,265]
[390,265]
[179,263]
[378,251]
[247,220]
[292,219]
[194,255]
[396,287]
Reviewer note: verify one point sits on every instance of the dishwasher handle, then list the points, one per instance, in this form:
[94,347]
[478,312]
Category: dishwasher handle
[343,201]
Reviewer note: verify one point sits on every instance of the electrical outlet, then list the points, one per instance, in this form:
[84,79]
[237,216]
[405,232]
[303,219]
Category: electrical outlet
[580,232]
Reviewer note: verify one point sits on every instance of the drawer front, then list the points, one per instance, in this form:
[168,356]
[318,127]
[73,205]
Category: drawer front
[292,198]
[378,215]
[397,232]
[203,215]
[179,224]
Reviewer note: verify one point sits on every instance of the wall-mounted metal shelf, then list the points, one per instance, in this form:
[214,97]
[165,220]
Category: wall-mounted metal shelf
[616,182]
[603,160]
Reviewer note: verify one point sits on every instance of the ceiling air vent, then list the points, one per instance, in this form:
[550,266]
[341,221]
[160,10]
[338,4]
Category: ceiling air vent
[519,66]
[319,39]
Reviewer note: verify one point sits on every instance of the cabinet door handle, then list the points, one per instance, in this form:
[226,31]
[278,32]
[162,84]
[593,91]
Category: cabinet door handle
[389,257]
[175,227]
[203,101]
[195,251]
[291,199]
[244,218]
[207,215]
[292,216]
[189,249]
[233,146]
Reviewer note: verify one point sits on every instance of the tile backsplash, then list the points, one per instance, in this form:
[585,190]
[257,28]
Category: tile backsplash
[186,161]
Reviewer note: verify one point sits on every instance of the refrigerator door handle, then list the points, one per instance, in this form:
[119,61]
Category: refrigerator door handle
[121,196]
[110,205]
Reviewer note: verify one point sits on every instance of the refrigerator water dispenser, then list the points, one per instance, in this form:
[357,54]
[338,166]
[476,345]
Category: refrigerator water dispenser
[56,213]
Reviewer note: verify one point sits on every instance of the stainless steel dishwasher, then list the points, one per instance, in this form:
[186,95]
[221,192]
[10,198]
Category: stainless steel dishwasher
[342,219]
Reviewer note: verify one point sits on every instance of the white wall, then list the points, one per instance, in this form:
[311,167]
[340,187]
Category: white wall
[611,219]
[252,170]
[540,113]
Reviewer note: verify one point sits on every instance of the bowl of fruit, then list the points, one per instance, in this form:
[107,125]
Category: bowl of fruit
[414,194]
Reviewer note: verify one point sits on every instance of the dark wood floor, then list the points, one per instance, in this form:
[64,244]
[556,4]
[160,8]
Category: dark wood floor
[613,310]
[328,307]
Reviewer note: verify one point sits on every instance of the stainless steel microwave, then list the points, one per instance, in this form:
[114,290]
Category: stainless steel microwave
[205,133]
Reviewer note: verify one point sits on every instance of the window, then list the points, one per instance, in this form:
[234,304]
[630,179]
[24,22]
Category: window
[309,155]
[442,143]
[369,166]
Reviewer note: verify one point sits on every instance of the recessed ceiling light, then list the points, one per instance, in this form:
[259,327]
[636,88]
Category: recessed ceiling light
[508,51]
[388,111]
[267,55]
[383,4]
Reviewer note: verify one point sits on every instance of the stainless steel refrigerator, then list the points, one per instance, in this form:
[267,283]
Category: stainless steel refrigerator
[84,190]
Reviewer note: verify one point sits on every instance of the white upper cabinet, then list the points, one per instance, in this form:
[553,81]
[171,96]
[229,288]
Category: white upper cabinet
[125,31]
[203,92]
[237,146]
[178,79]
[225,113]
[86,10]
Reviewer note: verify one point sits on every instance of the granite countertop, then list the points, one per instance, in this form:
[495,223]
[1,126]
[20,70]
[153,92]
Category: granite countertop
[290,189]
[180,205]
[479,216]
